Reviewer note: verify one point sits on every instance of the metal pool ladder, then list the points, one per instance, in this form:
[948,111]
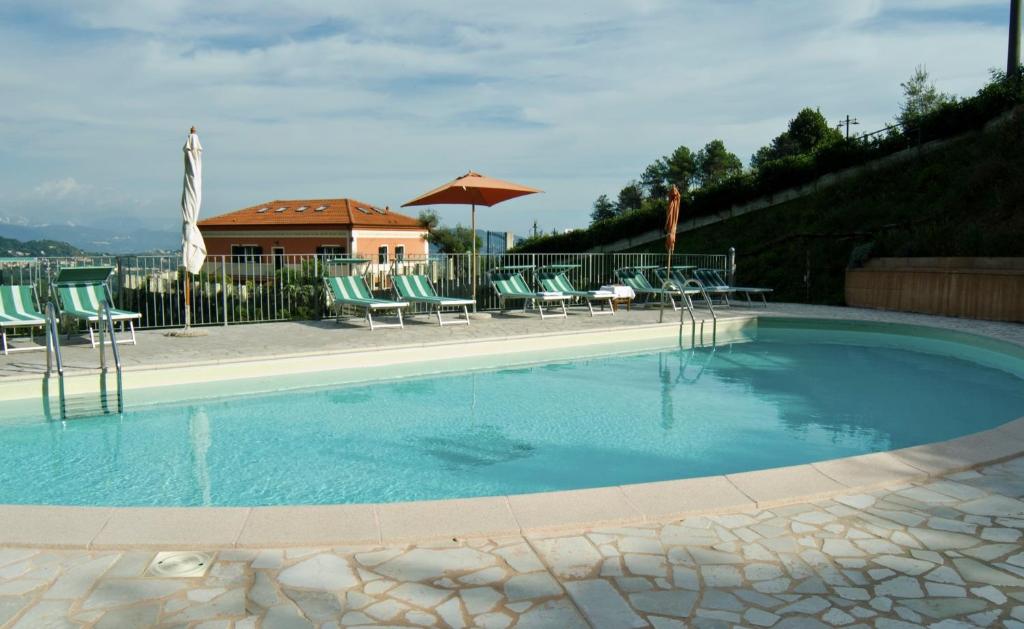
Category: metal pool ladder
[55,362]
[693,320]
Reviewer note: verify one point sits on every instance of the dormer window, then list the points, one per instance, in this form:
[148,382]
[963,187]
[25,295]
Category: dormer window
[262,210]
[321,208]
[301,208]
[281,209]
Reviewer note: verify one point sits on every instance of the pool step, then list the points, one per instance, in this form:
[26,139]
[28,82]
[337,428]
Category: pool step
[93,407]
[77,409]
[83,406]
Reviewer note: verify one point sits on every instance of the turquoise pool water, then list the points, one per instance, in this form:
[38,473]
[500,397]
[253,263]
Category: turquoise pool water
[790,397]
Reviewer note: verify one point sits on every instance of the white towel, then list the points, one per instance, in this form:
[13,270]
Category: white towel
[620,290]
[549,293]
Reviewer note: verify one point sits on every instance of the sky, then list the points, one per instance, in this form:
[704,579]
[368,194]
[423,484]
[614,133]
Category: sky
[381,101]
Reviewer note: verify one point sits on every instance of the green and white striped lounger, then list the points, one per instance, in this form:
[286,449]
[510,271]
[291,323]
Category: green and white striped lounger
[680,282]
[18,310]
[81,300]
[510,285]
[635,279]
[417,289]
[352,291]
[713,283]
[555,281]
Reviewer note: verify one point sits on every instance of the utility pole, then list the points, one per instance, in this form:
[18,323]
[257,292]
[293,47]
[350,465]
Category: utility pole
[848,121]
[1013,50]
[535,232]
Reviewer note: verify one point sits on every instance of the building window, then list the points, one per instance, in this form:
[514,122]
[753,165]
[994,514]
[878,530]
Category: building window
[382,254]
[330,250]
[399,253]
[245,253]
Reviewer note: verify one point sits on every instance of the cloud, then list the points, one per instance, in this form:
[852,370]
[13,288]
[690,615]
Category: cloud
[58,189]
[382,101]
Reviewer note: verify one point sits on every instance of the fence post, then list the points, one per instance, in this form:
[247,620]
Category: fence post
[224,287]
[732,266]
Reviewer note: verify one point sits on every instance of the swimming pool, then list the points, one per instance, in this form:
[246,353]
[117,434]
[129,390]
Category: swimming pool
[796,392]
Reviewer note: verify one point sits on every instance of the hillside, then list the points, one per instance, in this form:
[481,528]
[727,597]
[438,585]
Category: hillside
[966,199]
[11,248]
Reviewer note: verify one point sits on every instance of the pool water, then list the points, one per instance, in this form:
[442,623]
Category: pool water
[588,423]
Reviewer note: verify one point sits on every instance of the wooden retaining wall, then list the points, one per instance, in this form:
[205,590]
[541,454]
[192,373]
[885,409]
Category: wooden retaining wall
[974,288]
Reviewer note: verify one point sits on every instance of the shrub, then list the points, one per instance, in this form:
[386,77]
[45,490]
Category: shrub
[949,120]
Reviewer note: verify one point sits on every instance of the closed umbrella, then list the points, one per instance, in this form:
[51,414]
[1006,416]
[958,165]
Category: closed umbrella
[473,189]
[671,224]
[193,251]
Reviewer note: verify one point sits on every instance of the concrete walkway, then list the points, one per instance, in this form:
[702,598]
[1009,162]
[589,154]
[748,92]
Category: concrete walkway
[946,553]
[291,338]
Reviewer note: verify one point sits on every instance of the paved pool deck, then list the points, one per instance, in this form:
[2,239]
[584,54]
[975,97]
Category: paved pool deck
[921,537]
[944,553]
[235,343]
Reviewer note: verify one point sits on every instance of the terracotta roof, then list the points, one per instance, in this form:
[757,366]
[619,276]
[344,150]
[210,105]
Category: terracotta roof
[304,212]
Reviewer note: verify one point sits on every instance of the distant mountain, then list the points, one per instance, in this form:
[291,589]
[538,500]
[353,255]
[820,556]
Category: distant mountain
[113,240]
[11,248]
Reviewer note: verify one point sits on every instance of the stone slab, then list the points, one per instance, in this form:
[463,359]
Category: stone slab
[785,485]
[567,509]
[56,527]
[172,527]
[694,496]
[869,471]
[473,517]
[309,526]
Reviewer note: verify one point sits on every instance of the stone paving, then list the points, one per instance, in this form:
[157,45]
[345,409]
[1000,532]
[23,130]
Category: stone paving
[943,553]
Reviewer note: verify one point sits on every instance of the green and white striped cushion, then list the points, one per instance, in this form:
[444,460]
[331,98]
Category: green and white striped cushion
[678,282]
[710,279]
[413,287]
[83,301]
[418,288]
[350,289]
[555,282]
[353,290]
[16,307]
[509,284]
[635,280]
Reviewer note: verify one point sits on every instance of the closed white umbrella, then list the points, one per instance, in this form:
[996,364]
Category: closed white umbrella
[193,248]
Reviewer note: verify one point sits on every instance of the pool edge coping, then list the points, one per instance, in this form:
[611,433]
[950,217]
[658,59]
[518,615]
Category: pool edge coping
[536,514]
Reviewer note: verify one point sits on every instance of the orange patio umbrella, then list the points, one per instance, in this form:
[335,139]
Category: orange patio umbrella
[671,224]
[473,189]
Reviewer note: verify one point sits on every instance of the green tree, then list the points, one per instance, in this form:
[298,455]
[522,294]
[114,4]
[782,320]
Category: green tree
[456,239]
[920,97]
[603,209]
[630,198]
[654,179]
[680,169]
[714,164]
[806,133]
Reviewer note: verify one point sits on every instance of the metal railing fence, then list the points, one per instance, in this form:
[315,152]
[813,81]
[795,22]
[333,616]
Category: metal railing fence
[263,288]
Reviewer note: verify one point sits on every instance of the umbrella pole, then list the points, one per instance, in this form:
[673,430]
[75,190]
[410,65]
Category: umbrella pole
[472,240]
[188,301]
[665,285]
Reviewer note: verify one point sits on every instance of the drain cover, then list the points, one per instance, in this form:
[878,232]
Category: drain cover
[179,564]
